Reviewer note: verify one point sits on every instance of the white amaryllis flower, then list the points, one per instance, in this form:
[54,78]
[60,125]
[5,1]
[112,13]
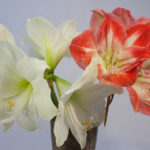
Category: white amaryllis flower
[82,106]
[24,93]
[50,43]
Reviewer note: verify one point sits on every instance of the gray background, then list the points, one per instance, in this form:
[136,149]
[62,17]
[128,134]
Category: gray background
[125,129]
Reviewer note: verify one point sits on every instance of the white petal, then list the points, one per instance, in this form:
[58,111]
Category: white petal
[10,82]
[88,78]
[5,115]
[32,47]
[61,128]
[25,113]
[89,75]
[27,119]
[31,67]
[7,126]
[5,35]
[41,99]
[75,125]
[12,106]
[44,36]
[67,33]
[10,52]
[68,28]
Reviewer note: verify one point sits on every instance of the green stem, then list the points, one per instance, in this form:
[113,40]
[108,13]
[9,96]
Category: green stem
[54,97]
[50,77]
[53,94]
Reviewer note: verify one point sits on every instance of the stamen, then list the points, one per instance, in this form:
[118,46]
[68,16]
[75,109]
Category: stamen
[86,122]
[83,123]
[85,129]
[11,104]
[86,125]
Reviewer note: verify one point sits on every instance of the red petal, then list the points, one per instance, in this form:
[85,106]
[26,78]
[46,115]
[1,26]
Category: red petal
[139,35]
[132,57]
[120,15]
[98,16]
[139,97]
[145,108]
[82,48]
[96,19]
[111,34]
[134,99]
[140,53]
[123,79]
[143,20]
[124,16]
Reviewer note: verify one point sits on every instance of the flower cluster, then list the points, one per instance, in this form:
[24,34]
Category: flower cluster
[115,51]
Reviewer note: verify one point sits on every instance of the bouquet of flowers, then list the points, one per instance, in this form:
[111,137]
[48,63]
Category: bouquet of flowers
[114,53]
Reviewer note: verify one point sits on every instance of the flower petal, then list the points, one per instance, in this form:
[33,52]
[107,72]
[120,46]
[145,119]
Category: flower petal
[139,92]
[110,36]
[27,119]
[7,126]
[31,68]
[5,35]
[138,35]
[83,47]
[61,126]
[139,95]
[96,19]
[13,105]
[131,57]
[75,126]
[44,35]
[98,16]
[120,79]
[134,99]
[10,82]
[124,16]
[40,98]
[143,20]
[67,33]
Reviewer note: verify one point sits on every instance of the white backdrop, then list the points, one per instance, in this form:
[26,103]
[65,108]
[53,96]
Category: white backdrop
[125,129]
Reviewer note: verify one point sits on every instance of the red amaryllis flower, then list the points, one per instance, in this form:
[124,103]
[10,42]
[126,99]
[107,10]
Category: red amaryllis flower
[140,90]
[120,52]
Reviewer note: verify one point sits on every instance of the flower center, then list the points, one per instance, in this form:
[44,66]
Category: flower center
[111,61]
